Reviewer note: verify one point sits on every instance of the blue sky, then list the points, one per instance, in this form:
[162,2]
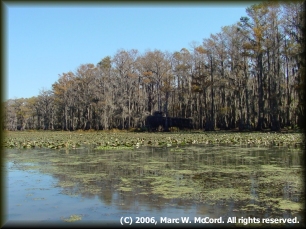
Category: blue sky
[43,41]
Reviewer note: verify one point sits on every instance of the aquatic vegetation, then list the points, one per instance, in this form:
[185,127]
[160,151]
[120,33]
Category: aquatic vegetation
[125,189]
[72,218]
[131,140]
[66,184]
[290,205]
[113,147]
[235,194]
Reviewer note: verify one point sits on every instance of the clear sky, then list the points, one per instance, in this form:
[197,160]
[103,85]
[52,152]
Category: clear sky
[43,41]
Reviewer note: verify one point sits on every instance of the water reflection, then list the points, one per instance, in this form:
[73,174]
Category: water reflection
[214,180]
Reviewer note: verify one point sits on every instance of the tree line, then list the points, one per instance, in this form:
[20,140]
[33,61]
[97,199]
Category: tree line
[249,75]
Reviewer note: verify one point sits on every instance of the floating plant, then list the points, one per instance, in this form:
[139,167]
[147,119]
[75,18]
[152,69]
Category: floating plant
[72,218]
[130,140]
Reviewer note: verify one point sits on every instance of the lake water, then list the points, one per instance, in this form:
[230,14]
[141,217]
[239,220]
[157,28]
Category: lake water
[215,185]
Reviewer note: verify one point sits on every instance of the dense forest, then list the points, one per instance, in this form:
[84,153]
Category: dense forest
[250,75]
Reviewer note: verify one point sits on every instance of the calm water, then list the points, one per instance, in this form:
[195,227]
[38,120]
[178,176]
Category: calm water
[250,184]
